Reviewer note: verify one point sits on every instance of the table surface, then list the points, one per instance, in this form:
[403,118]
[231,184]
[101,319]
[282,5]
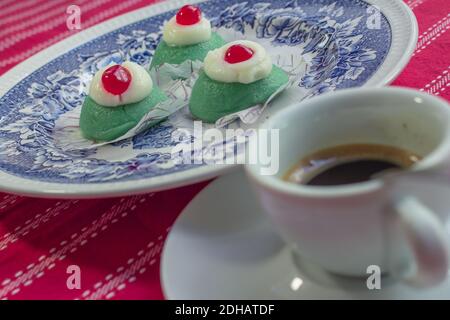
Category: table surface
[117,242]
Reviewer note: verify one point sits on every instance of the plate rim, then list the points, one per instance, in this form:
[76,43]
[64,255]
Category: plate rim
[397,58]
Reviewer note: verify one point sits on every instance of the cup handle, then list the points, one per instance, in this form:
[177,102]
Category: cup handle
[428,242]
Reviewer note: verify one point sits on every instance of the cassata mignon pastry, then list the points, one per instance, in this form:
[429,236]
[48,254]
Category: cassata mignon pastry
[119,96]
[186,36]
[235,77]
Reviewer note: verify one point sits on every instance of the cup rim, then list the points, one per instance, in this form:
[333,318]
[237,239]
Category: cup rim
[433,159]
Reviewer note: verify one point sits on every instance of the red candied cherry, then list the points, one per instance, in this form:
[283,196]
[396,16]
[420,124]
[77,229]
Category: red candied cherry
[238,53]
[116,79]
[189,15]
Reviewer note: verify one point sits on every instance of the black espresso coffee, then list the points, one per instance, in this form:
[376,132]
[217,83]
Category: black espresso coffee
[348,164]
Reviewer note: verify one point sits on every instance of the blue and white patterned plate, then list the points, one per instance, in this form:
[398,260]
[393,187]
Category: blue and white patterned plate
[346,43]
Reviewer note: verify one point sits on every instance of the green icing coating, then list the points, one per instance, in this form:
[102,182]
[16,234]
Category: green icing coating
[211,100]
[177,55]
[101,123]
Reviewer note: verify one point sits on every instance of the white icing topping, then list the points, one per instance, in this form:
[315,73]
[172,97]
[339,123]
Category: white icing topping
[140,87]
[175,34]
[256,68]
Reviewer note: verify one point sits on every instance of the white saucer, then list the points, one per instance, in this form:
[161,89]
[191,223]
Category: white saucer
[222,247]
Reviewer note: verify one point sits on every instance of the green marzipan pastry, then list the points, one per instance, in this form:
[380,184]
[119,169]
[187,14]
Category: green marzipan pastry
[178,54]
[211,100]
[101,123]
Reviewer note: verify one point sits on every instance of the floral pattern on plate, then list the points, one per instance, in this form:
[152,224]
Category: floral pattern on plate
[333,37]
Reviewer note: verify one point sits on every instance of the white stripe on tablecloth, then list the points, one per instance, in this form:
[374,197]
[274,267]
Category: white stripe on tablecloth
[37,269]
[35,20]
[415,3]
[8,201]
[34,12]
[4,3]
[48,25]
[34,223]
[20,5]
[85,24]
[438,84]
[434,32]
[137,265]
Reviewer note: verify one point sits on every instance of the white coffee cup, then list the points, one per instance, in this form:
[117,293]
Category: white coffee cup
[399,227]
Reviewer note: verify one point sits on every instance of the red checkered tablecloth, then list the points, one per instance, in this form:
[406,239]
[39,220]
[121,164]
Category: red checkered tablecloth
[117,242]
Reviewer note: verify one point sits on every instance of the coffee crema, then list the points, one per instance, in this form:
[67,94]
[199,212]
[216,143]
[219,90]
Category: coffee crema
[347,164]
